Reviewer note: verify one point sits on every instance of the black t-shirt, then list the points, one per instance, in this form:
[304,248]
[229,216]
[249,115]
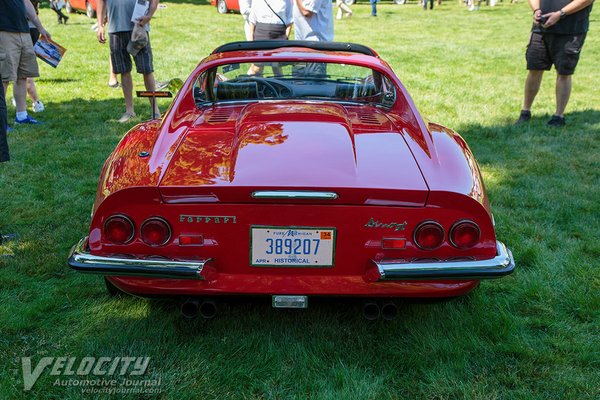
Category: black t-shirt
[570,24]
[13,17]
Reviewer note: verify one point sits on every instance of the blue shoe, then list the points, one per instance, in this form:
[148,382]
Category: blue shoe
[28,120]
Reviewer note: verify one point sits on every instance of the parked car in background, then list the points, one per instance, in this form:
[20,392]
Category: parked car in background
[224,6]
[292,169]
[87,6]
[399,2]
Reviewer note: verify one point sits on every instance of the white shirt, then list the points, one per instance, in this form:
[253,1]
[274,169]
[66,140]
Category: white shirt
[245,8]
[317,27]
[260,12]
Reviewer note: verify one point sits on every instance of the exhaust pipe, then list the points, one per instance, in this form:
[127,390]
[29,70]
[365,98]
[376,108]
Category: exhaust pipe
[389,311]
[190,308]
[208,309]
[371,310]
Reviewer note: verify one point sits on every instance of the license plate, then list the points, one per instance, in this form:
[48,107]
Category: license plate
[282,246]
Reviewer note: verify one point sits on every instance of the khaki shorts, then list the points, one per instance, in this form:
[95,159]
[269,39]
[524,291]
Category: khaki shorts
[17,58]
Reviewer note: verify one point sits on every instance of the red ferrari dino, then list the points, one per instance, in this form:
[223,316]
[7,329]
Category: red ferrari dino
[292,169]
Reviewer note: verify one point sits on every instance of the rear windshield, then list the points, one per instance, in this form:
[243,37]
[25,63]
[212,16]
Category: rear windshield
[294,80]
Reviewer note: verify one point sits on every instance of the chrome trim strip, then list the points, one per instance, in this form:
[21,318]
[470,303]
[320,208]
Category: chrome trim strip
[294,194]
[501,265]
[81,260]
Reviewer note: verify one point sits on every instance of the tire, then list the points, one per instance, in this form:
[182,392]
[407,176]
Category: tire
[89,11]
[349,2]
[69,7]
[222,7]
[112,290]
[399,2]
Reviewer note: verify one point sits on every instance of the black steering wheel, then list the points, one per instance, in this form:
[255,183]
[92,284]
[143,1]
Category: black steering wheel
[264,87]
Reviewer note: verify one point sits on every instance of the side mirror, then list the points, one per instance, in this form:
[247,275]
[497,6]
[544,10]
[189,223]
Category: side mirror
[174,86]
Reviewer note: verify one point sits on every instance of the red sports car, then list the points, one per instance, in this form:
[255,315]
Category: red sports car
[224,6]
[292,169]
[87,6]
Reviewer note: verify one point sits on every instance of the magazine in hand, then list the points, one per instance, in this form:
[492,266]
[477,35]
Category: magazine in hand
[141,8]
[49,51]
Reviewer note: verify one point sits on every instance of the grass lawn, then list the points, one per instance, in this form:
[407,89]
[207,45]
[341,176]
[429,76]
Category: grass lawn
[532,335]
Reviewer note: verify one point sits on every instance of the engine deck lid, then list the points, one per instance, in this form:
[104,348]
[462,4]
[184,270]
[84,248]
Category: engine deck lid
[355,153]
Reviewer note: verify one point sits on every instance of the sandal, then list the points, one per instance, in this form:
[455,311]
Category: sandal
[126,117]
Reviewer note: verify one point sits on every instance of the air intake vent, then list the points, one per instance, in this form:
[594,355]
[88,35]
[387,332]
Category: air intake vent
[220,115]
[368,118]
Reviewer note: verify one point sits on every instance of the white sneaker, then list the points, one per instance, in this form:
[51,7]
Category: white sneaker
[38,106]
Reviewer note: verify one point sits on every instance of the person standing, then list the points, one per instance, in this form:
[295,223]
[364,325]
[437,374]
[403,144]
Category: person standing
[57,6]
[425,4]
[270,19]
[19,62]
[373,7]
[120,28]
[557,36]
[37,104]
[342,8]
[313,20]
[245,6]
[4,155]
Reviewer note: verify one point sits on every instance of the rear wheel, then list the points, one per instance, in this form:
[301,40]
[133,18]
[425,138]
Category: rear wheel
[89,10]
[222,7]
[112,290]
[68,7]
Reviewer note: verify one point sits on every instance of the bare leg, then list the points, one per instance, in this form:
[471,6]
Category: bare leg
[532,87]
[112,80]
[20,93]
[563,92]
[31,89]
[255,70]
[151,86]
[127,84]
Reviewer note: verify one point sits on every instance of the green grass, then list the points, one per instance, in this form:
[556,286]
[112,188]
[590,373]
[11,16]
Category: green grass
[528,336]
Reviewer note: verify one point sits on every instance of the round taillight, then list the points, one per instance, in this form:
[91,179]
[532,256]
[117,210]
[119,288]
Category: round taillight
[429,235]
[119,229]
[155,232]
[464,234]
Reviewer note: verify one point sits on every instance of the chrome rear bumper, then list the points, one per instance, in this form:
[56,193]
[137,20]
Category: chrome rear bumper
[382,270]
[81,260]
[501,265]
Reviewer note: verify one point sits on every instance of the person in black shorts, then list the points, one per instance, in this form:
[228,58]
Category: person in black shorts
[557,36]
[120,30]
[4,156]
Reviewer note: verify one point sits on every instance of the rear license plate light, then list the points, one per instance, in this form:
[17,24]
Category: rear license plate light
[290,301]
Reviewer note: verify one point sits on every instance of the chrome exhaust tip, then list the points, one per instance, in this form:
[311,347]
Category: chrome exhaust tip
[208,309]
[389,311]
[190,308]
[371,311]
